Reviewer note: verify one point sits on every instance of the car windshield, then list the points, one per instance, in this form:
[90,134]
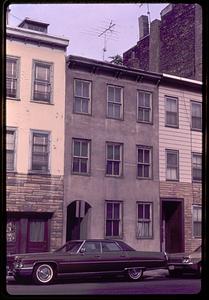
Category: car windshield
[70,247]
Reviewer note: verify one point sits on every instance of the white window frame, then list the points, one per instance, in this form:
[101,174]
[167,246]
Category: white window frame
[13,129]
[144,221]
[82,97]
[50,65]
[119,220]
[142,147]
[167,124]
[114,103]
[144,107]
[32,132]
[80,157]
[200,105]
[113,160]
[199,207]
[172,151]
[17,78]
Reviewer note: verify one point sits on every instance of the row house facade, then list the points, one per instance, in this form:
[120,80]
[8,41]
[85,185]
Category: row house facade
[35,110]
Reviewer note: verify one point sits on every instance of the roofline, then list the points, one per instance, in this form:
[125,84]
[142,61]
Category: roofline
[32,21]
[182,79]
[36,36]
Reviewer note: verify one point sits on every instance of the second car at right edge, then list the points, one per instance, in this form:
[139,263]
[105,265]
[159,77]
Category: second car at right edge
[179,263]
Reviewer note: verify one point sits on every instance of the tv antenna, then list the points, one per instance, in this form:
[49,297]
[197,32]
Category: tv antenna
[104,33]
[148,12]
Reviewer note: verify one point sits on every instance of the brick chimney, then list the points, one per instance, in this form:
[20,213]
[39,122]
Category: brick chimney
[143,26]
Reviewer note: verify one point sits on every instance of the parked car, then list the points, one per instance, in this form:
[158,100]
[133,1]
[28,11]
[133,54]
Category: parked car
[86,257]
[179,263]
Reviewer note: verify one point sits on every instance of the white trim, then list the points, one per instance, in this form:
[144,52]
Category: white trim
[182,79]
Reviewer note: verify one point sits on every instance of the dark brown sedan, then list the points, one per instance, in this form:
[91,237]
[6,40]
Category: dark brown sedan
[86,257]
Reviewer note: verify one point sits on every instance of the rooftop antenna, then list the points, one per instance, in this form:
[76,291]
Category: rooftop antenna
[104,33]
[148,12]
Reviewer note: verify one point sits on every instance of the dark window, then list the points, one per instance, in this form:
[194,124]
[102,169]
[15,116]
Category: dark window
[197,221]
[110,246]
[42,82]
[114,159]
[40,152]
[171,112]
[91,247]
[144,107]
[196,166]
[144,162]
[172,171]
[36,232]
[144,220]
[82,96]
[80,156]
[114,102]
[196,115]
[11,77]
[10,149]
[113,219]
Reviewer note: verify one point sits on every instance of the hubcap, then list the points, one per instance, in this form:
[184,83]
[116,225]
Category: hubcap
[135,273]
[44,273]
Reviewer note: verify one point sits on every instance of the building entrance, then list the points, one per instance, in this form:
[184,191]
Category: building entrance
[78,220]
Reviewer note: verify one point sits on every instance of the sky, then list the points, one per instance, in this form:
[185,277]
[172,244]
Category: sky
[83,25]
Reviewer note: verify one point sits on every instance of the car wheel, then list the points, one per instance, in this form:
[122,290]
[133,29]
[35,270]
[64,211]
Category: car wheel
[135,273]
[44,274]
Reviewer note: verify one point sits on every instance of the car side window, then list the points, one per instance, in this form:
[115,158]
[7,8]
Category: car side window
[91,247]
[110,246]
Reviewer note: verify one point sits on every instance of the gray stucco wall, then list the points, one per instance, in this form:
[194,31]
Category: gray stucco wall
[97,187]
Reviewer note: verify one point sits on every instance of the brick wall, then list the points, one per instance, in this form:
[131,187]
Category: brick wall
[38,193]
[191,193]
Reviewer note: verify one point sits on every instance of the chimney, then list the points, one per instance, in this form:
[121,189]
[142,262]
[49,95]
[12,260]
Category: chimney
[143,26]
[7,15]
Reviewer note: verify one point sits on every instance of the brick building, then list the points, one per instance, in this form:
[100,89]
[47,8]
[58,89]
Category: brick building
[35,109]
[173,45]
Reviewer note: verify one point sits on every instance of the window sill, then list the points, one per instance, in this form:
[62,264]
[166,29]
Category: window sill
[145,238]
[196,129]
[197,181]
[83,114]
[114,176]
[172,180]
[32,172]
[112,118]
[11,172]
[172,126]
[144,122]
[11,98]
[41,102]
[81,174]
[144,178]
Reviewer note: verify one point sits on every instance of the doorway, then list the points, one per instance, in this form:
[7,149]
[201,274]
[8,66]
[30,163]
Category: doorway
[78,220]
[172,225]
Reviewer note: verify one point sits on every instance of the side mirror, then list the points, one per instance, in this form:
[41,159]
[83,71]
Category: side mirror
[83,250]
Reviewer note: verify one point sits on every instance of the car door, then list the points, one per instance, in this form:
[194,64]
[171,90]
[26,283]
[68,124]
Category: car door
[113,258]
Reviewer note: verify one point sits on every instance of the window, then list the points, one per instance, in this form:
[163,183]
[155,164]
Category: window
[196,166]
[114,102]
[36,230]
[171,112]
[196,115]
[12,73]
[40,152]
[82,96]
[144,107]
[114,159]
[10,149]
[110,247]
[81,156]
[91,247]
[144,220]
[197,221]
[144,162]
[172,159]
[113,219]
[42,82]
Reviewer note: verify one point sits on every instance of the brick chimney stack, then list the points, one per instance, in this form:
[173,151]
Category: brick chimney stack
[143,26]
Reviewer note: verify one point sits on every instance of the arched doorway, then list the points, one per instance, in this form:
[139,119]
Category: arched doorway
[78,218]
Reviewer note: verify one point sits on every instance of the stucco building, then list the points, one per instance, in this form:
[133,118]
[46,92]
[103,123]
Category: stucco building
[35,110]
[111,153]
[172,45]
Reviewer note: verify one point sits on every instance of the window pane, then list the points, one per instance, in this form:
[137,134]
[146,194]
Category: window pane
[140,114]
[117,111]
[116,211]
[118,95]
[109,167]
[140,155]
[78,88]
[85,89]
[75,164]
[37,231]
[172,159]
[84,149]
[146,171]
[171,174]
[140,211]
[11,68]
[108,228]
[146,156]
[146,115]
[110,110]
[116,168]
[110,151]
[85,106]
[83,165]
[147,100]
[196,110]
[10,140]
[42,72]
[115,228]
[117,152]
[197,229]
[10,160]
[109,210]
[110,93]
[76,148]
[147,211]
[141,99]
[171,118]
[171,105]
[140,171]
[78,103]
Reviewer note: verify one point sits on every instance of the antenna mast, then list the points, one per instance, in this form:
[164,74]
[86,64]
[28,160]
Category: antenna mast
[104,33]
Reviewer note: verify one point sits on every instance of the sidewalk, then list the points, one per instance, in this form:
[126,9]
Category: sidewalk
[157,273]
